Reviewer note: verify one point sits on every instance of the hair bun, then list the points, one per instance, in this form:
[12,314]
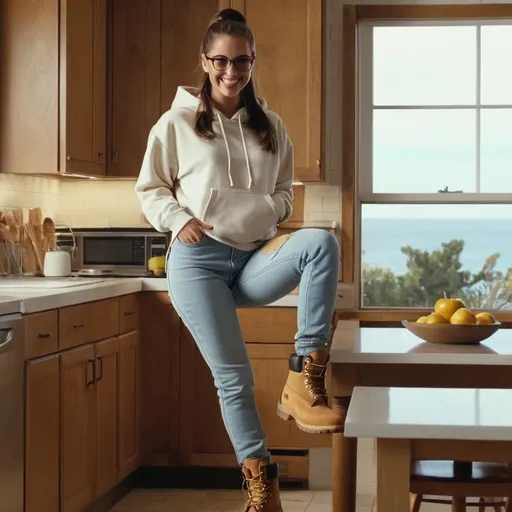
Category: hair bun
[229,15]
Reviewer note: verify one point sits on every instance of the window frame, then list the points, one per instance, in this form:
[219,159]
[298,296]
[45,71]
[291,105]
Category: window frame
[354,193]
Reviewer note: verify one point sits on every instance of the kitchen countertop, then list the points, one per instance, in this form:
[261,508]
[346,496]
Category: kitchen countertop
[21,295]
[373,345]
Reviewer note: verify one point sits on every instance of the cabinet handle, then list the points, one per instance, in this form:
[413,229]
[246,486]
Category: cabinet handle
[79,326]
[129,313]
[115,153]
[87,381]
[100,153]
[45,334]
[100,360]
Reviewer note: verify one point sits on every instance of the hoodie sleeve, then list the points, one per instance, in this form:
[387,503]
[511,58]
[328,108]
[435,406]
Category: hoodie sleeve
[155,184]
[283,192]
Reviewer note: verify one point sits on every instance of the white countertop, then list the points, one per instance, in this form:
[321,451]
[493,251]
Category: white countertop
[421,413]
[21,295]
[352,344]
[9,305]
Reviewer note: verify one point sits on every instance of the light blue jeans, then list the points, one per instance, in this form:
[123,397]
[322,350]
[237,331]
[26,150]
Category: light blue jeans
[208,281]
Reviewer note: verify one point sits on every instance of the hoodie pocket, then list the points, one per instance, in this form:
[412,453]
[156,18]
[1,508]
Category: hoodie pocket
[238,215]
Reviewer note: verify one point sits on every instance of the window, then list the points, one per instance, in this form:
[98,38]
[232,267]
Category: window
[434,162]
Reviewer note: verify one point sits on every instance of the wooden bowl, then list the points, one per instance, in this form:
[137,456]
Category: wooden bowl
[452,334]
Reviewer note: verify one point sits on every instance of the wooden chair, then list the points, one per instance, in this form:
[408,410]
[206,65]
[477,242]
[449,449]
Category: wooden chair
[459,481]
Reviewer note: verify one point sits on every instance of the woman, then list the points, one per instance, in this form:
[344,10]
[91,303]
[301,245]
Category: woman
[217,174]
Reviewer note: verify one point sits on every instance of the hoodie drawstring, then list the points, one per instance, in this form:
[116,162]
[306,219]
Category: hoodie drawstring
[229,154]
[245,151]
[227,149]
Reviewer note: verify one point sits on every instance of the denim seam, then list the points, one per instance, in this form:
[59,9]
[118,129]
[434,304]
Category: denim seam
[270,266]
[307,275]
[212,367]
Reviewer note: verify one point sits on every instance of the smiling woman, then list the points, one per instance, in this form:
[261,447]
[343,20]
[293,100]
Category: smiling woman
[218,173]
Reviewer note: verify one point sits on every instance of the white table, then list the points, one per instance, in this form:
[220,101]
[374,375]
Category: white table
[428,424]
[394,357]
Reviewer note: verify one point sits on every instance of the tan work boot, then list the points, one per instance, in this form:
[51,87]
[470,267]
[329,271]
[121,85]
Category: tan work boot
[261,486]
[304,398]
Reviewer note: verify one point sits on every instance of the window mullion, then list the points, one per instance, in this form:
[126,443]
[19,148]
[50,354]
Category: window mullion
[478,106]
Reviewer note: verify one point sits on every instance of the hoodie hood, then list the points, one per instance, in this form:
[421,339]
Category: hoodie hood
[188,97]
[184,176]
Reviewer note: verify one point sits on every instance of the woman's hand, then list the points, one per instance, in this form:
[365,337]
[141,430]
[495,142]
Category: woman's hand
[191,232]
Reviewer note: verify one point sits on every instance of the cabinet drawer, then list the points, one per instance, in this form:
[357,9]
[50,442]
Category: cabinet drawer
[41,334]
[129,313]
[268,325]
[88,322]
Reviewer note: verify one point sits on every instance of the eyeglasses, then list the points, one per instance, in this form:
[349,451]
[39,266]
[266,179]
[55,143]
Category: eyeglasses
[243,63]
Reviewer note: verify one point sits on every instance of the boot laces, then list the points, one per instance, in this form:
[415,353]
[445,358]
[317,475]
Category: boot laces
[258,490]
[315,378]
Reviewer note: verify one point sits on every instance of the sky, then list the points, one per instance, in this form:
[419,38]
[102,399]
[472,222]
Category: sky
[424,150]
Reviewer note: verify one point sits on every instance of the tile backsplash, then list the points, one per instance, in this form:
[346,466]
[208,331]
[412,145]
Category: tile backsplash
[92,203]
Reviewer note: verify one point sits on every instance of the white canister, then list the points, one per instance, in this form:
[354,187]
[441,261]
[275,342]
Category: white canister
[57,264]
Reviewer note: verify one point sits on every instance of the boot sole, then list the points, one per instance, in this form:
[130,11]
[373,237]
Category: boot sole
[310,429]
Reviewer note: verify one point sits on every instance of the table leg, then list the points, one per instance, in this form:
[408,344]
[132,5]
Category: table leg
[393,475]
[458,504]
[344,465]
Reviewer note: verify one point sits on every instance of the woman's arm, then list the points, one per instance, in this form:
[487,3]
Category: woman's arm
[283,192]
[155,185]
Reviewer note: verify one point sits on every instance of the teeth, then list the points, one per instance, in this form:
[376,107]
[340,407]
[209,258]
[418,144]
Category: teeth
[229,82]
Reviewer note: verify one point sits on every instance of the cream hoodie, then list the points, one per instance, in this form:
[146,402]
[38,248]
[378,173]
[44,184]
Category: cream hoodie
[229,182]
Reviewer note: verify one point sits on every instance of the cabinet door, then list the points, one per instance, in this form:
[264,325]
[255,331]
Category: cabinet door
[160,367]
[78,428]
[288,72]
[135,78]
[203,437]
[183,27]
[83,86]
[129,403]
[107,372]
[42,410]
[270,366]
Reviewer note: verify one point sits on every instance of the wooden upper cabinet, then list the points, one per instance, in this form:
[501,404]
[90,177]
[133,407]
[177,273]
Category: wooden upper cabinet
[288,72]
[83,86]
[183,28]
[135,81]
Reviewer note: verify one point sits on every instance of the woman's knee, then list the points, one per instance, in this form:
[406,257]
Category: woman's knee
[234,381]
[319,240]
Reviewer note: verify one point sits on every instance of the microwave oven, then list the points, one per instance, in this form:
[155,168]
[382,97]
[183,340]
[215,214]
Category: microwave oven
[114,252]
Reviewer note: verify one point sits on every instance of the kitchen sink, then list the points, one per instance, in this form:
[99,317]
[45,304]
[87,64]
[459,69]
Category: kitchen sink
[48,282]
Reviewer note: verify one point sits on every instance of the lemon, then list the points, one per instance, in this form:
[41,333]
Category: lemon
[463,316]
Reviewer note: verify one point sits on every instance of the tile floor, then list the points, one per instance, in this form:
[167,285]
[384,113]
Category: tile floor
[184,500]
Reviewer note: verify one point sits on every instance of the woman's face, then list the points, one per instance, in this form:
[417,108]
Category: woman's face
[228,78]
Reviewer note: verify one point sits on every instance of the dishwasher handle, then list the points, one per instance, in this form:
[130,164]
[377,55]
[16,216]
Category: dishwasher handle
[5,339]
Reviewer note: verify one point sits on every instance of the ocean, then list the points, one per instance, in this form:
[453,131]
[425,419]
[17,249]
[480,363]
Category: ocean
[382,239]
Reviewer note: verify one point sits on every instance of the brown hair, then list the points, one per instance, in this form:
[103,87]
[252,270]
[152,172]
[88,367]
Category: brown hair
[232,22]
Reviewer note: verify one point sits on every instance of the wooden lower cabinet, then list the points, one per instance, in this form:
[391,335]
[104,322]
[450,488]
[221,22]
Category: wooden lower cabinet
[129,403]
[160,380]
[203,438]
[82,413]
[78,428]
[107,357]
[42,385]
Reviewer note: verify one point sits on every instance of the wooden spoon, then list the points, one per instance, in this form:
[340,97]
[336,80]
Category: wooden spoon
[49,233]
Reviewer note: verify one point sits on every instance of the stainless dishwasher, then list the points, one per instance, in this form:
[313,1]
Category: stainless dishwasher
[11,413]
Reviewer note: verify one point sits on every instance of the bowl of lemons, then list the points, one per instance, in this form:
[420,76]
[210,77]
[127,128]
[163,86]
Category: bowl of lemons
[452,322]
